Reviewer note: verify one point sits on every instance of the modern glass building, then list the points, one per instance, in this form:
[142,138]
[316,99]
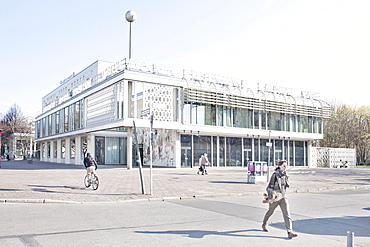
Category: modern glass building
[193,113]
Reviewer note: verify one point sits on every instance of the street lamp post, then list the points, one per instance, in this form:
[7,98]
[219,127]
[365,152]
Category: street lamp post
[269,144]
[130,16]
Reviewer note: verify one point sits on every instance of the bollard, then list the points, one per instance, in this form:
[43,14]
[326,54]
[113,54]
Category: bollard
[350,239]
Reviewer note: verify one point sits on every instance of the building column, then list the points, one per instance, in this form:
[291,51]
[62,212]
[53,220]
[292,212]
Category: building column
[78,154]
[59,151]
[178,150]
[129,148]
[68,151]
[91,145]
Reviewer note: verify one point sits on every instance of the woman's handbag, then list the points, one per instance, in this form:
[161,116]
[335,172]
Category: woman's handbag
[276,196]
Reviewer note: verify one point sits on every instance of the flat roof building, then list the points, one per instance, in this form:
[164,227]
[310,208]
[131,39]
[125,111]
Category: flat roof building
[193,113]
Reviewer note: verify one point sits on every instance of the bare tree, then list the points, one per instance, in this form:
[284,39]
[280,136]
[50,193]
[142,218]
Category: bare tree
[15,124]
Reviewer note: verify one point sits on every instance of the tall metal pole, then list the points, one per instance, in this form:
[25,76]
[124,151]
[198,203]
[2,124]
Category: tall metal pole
[151,154]
[129,45]
[130,16]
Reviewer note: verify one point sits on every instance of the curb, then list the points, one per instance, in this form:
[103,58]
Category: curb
[171,198]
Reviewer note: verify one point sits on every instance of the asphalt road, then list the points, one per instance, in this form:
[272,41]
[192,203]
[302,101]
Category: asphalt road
[320,219]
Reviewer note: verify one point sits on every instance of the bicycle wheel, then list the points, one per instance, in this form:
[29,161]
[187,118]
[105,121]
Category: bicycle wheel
[87,181]
[95,182]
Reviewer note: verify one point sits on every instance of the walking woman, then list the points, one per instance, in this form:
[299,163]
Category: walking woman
[276,197]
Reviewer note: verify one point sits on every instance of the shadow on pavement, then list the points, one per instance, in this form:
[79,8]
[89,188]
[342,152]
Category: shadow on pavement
[202,233]
[227,182]
[36,165]
[336,226]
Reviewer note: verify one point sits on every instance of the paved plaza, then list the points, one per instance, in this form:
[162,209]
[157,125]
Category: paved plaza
[42,182]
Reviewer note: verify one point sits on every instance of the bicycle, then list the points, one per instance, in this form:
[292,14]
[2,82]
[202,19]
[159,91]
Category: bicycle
[93,180]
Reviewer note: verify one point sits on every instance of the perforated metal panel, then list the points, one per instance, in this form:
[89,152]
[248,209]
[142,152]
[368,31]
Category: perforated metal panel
[159,99]
[332,157]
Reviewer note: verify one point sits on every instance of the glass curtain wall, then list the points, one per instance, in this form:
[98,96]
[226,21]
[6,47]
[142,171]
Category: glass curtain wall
[229,151]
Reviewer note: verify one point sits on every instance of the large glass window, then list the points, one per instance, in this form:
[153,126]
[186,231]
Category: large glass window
[72,148]
[319,124]
[299,153]
[77,115]
[57,122]
[83,147]
[200,114]
[202,145]
[55,149]
[211,115]
[50,124]
[247,142]
[291,153]
[214,153]
[228,116]
[43,150]
[278,151]
[240,117]
[187,113]
[116,150]
[139,97]
[250,119]
[48,149]
[302,124]
[256,120]
[275,121]
[66,112]
[186,151]
[256,149]
[294,123]
[63,149]
[310,124]
[263,120]
[234,151]
[264,150]
[220,116]
[286,151]
[100,149]
[222,151]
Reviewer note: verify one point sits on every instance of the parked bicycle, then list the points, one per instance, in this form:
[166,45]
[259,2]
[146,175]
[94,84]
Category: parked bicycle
[91,180]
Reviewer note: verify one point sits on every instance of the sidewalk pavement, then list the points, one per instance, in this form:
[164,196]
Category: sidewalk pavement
[43,182]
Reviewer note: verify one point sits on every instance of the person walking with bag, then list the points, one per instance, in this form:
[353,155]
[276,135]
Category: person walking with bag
[276,189]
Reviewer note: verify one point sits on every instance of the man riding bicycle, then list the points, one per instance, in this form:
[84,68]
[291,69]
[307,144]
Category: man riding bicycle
[90,165]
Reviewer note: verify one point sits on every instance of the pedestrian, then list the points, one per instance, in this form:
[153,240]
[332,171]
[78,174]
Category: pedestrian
[203,161]
[90,165]
[276,189]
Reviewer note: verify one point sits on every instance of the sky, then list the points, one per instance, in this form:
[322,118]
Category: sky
[321,46]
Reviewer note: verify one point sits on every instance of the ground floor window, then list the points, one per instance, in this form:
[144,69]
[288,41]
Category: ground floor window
[236,151]
[116,150]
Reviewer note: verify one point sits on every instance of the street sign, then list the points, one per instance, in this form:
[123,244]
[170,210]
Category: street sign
[268,144]
[145,112]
